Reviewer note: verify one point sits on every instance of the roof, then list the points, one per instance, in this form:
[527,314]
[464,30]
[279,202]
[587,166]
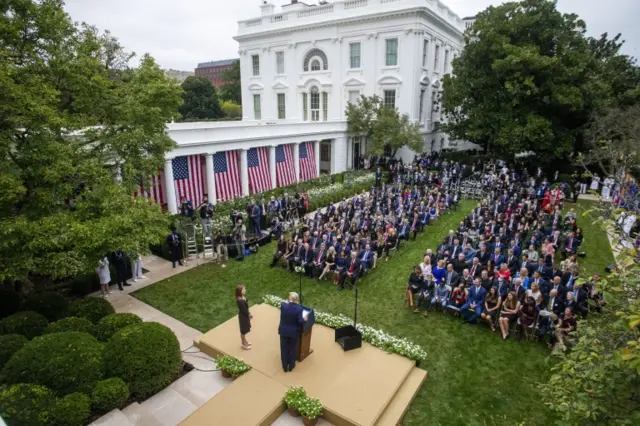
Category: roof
[468,18]
[217,63]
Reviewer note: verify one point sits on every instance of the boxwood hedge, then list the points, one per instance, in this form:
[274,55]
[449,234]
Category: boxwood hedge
[109,394]
[10,344]
[92,308]
[110,324]
[50,304]
[71,324]
[29,324]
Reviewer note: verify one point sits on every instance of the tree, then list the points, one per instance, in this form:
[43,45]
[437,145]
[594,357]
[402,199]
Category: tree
[74,116]
[200,100]
[232,89]
[232,109]
[598,381]
[524,81]
[383,126]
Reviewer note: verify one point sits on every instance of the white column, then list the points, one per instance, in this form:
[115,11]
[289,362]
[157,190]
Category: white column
[272,166]
[316,148]
[244,173]
[211,182]
[296,160]
[169,188]
[339,155]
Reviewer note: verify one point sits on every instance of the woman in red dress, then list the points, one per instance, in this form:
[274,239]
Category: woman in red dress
[546,202]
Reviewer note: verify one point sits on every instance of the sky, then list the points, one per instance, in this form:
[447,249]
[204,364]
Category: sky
[181,33]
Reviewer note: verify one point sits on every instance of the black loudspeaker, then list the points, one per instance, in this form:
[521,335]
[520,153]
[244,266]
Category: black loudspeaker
[582,254]
[348,337]
[610,268]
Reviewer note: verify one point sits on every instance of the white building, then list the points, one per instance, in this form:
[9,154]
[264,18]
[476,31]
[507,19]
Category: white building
[301,65]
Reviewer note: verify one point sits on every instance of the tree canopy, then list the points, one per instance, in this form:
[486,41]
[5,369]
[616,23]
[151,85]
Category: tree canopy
[529,80]
[232,90]
[384,127]
[200,100]
[79,132]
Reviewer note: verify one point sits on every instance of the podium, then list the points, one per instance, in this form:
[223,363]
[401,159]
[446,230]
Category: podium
[304,336]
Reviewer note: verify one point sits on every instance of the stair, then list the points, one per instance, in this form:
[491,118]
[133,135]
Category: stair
[139,416]
[397,408]
[113,418]
[168,407]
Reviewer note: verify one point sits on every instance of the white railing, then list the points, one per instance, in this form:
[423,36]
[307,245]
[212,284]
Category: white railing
[253,23]
[313,11]
[279,18]
[388,1]
[353,4]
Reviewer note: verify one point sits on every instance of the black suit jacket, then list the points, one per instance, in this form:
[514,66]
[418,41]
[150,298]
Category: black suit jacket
[557,305]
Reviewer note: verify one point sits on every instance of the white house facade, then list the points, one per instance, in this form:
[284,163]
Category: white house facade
[302,64]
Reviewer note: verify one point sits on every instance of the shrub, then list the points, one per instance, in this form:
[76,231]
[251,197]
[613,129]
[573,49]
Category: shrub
[92,308]
[294,397]
[146,356]
[26,404]
[83,285]
[71,324]
[109,394]
[310,408]
[10,302]
[52,305]
[110,324]
[29,324]
[10,344]
[64,362]
[71,410]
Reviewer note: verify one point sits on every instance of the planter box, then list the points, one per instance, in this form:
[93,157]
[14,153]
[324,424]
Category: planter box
[309,422]
[348,337]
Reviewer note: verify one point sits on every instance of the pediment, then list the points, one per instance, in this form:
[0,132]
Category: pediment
[280,86]
[314,81]
[389,80]
[255,87]
[353,82]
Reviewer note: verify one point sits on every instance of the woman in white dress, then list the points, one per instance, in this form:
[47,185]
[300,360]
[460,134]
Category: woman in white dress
[105,276]
[136,269]
[606,188]
[425,266]
[595,183]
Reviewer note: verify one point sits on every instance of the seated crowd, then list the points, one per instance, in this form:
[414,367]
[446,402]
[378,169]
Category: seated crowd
[512,263]
[347,239]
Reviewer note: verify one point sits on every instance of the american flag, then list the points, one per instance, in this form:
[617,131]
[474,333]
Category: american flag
[285,171]
[155,190]
[307,161]
[258,168]
[225,167]
[188,178]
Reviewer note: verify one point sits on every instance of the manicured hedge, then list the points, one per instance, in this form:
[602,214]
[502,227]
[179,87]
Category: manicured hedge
[50,304]
[65,362]
[10,302]
[71,324]
[10,344]
[110,324]
[26,405]
[109,394]
[72,410]
[92,308]
[146,356]
[29,324]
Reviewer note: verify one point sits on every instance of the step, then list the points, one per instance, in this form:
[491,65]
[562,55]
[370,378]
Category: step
[113,418]
[399,405]
[169,407]
[139,416]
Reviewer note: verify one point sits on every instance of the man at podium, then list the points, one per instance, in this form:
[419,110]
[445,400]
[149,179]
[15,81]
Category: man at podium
[292,316]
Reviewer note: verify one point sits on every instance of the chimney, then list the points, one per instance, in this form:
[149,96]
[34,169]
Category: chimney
[267,8]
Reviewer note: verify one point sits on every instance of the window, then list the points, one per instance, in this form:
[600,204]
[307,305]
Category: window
[422,92]
[325,150]
[446,61]
[321,56]
[255,61]
[315,104]
[354,55]
[325,107]
[354,95]
[435,60]
[391,52]
[281,107]
[315,65]
[257,108]
[279,62]
[425,53]
[305,100]
[389,99]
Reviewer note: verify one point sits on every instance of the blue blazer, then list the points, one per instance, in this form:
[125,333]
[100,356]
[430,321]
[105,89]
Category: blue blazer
[290,319]
[476,295]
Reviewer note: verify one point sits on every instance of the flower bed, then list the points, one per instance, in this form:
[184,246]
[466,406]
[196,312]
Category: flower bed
[373,336]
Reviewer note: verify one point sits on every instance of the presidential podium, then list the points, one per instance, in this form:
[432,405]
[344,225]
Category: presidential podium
[304,337]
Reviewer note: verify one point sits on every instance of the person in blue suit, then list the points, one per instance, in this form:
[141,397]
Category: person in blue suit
[291,319]
[475,301]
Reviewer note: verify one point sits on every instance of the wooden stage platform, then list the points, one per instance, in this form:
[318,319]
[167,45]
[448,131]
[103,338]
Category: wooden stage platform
[365,386]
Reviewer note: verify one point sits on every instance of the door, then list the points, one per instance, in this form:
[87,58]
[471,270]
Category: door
[356,155]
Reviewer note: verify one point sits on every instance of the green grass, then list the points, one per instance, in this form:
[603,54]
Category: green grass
[596,243]
[474,377]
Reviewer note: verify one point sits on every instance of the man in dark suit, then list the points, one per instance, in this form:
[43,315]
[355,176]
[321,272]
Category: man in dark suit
[291,318]
[475,301]
[459,263]
[351,271]
[570,246]
[497,258]
[502,287]
[580,296]
[519,289]
[475,269]
[366,257]
[555,303]
[318,260]
[513,263]
[561,289]
[451,277]
[175,246]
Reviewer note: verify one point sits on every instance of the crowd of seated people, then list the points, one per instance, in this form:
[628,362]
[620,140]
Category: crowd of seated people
[347,239]
[511,263]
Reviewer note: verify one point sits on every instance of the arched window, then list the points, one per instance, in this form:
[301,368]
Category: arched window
[318,56]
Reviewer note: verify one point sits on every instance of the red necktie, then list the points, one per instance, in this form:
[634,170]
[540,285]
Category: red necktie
[351,268]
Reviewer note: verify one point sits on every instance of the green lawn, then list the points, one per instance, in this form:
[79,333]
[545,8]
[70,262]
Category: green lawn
[596,243]
[474,377]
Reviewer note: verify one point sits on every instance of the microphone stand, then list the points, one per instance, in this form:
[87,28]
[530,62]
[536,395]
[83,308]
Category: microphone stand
[355,311]
[300,290]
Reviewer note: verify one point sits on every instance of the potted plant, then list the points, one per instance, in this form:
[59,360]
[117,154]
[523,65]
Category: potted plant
[231,367]
[238,368]
[293,398]
[310,409]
